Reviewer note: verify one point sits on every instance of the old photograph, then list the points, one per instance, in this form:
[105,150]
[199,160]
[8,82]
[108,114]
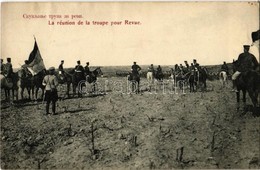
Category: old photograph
[130,85]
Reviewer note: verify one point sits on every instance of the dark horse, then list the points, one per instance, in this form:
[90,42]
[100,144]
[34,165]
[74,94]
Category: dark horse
[78,82]
[25,81]
[37,83]
[92,78]
[66,78]
[10,84]
[247,82]
[134,78]
[198,78]
[158,75]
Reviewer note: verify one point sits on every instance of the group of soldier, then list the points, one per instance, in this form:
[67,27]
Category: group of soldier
[246,62]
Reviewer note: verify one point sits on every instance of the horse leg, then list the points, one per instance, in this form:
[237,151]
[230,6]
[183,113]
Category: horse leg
[253,97]
[238,98]
[42,93]
[68,90]
[29,92]
[36,93]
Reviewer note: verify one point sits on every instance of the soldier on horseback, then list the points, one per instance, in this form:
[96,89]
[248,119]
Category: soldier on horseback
[224,67]
[2,66]
[9,68]
[246,62]
[61,70]
[79,68]
[87,70]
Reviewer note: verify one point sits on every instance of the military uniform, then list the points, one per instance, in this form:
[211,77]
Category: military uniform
[224,67]
[135,69]
[8,69]
[51,95]
[61,70]
[87,70]
[246,62]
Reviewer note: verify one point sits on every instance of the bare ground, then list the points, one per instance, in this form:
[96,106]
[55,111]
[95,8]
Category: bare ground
[198,130]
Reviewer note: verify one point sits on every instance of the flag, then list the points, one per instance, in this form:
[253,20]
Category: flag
[35,61]
[255,35]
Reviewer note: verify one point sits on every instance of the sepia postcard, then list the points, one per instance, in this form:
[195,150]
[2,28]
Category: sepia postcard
[130,85]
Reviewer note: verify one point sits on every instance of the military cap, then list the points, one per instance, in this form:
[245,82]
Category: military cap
[8,59]
[87,62]
[246,46]
[78,61]
[62,61]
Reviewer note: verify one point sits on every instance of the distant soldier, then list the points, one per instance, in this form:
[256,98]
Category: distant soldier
[87,70]
[151,70]
[2,66]
[224,67]
[246,62]
[192,67]
[181,69]
[135,69]
[8,68]
[159,73]
[150,74]
[176,68]
[51,95]
[79,68]
[187,65]
[61,70]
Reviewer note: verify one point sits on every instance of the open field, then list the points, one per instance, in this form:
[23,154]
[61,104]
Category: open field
[155,130]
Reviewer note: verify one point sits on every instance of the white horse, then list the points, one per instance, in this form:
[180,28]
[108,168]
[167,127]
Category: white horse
[223,78]
[150,79]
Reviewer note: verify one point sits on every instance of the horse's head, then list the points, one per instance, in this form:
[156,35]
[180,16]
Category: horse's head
[98,71]
[21,73]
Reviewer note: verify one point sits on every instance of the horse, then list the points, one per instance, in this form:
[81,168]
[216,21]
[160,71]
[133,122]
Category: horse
[150,79]
[92,77]
[78,81]
[9,84]
[25,81]
[134,78]
[179,79]
[66,78]
[223,77]
[196,78]
[37,83]
[247,82]
[158,75]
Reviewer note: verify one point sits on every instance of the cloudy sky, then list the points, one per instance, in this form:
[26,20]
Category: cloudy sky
[168,33]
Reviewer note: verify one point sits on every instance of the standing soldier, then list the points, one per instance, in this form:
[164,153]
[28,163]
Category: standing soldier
[51,94]
[246,62]
[135,69]
[9,68]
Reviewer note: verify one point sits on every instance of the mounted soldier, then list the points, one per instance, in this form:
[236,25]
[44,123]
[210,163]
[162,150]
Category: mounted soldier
[246,62]
[8,68]
[61,75]
[224,67]
[2,66]
[61,70]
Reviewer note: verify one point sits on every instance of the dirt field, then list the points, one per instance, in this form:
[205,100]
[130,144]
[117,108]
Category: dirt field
[162,130]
